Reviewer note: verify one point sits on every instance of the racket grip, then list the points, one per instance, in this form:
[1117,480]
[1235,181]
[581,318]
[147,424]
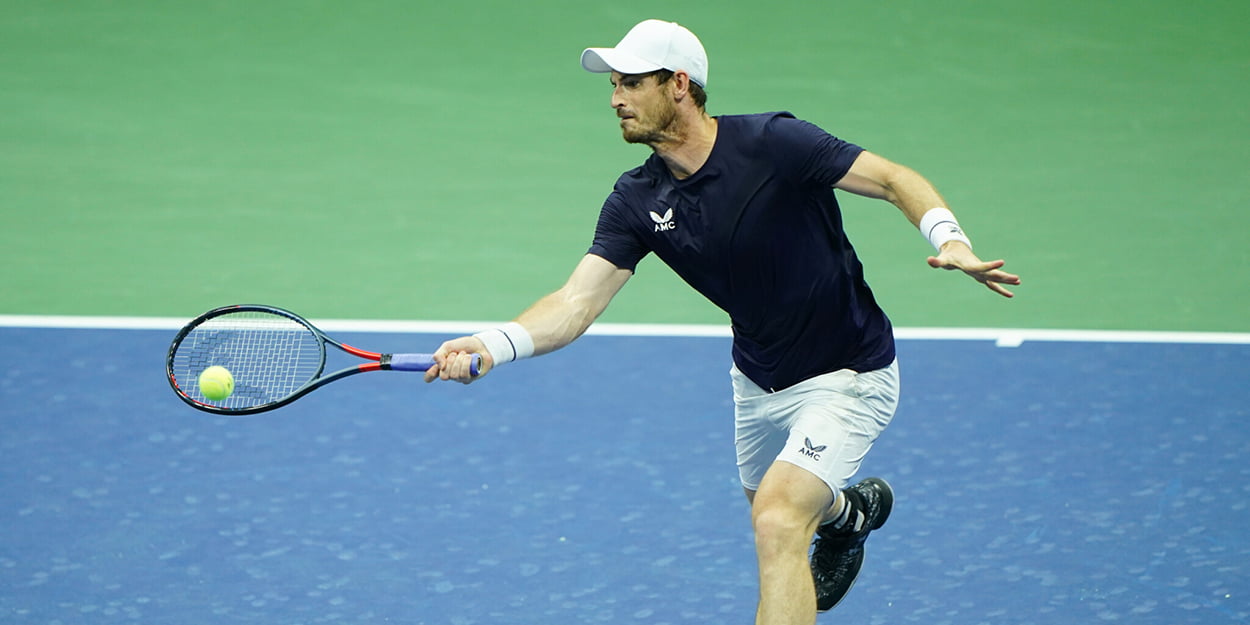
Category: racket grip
[422,362]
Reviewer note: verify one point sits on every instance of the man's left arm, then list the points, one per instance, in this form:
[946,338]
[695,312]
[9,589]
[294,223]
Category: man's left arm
[876,177]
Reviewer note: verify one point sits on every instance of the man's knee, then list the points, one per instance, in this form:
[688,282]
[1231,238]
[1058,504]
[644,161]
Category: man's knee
[788,507]
[781,525]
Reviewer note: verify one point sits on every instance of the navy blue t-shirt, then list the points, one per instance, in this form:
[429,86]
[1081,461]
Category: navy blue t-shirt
[757,230]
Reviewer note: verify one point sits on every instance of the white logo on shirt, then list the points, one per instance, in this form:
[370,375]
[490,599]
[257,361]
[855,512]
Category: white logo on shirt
[663,223]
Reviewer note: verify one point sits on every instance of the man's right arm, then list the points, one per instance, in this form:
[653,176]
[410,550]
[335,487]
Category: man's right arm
[554,321]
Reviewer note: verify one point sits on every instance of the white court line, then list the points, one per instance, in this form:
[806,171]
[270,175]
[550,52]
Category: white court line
[1003,337]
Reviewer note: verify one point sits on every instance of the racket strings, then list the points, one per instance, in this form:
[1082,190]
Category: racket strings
[270,357]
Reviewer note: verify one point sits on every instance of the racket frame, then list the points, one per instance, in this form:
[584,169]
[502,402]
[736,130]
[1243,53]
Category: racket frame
[375,361]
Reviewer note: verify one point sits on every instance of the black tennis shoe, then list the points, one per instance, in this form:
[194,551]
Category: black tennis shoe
[838,553]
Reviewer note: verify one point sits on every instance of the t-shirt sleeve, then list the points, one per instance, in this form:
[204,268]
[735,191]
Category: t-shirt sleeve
[815,156]
[615,241]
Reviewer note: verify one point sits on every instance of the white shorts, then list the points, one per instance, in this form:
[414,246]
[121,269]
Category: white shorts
[825,424]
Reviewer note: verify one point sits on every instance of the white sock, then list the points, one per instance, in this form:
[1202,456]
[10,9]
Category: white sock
[839,512]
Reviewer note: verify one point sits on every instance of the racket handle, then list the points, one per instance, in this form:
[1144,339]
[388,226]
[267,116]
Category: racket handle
[422,362]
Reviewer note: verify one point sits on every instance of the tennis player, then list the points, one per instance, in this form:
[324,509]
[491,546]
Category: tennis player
[743,207]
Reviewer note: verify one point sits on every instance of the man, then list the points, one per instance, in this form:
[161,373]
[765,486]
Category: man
[743,208]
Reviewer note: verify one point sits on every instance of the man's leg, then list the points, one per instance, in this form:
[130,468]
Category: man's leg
[800,445]
[785,512]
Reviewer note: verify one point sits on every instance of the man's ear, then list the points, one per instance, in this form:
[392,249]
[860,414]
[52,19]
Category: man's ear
[681,85]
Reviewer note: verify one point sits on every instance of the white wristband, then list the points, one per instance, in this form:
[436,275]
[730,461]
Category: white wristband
[508,342]
[939,226]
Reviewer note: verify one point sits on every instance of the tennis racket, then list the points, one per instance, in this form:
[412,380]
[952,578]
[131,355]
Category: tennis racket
[274,355]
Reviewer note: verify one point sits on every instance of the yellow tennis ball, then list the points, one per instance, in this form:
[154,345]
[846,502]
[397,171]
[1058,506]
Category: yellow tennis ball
[216,383]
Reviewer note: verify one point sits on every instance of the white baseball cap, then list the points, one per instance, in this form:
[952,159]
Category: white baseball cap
[652,45]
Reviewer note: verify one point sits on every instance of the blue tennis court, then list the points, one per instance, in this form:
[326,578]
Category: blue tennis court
[1048,483]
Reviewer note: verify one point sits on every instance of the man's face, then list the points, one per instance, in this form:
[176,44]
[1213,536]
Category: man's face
[644,107]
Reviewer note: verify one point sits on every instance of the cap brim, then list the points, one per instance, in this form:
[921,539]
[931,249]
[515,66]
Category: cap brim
[604,60]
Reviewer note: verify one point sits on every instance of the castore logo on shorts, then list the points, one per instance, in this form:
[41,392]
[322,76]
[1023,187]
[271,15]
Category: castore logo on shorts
[810,450]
